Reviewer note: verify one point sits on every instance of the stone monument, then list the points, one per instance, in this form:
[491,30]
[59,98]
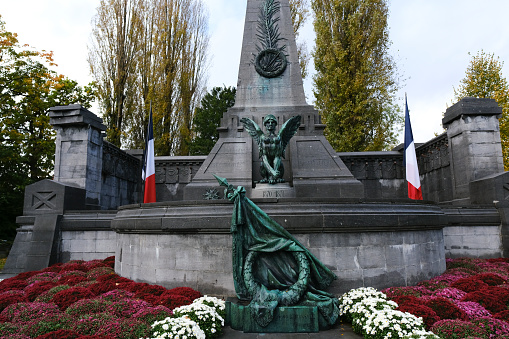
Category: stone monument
[270,84]
[312,195]
[292,175]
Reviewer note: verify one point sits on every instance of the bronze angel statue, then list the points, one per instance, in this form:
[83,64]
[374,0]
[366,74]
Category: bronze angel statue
[272,146]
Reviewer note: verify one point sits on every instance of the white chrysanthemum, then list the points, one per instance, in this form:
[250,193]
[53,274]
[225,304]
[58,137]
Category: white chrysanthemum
[218,303]
[373,314]
[181,327]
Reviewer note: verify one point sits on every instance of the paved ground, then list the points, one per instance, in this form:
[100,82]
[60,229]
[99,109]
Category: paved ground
[343,331]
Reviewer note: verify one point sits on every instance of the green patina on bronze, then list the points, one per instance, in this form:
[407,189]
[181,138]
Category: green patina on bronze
[271,268]
[271,59]
[271,146]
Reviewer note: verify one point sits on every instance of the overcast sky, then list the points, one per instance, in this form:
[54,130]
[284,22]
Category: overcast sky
[431,41]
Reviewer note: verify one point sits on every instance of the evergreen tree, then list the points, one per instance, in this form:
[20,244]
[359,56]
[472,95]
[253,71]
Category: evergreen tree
[356,80]
[208,117]
[484,79]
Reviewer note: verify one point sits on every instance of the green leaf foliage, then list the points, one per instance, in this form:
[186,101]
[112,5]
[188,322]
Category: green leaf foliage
[28,88]
[484,79]
[356,80]
[208,118]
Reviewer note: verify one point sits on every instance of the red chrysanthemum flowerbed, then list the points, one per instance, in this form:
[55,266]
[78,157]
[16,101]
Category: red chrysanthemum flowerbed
[84,300]
[471,299]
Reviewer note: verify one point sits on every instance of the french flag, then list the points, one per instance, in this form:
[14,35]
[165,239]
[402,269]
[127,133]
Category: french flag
[149,167]
[412,171]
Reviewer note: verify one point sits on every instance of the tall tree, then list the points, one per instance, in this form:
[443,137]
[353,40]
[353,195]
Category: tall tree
[356,80]
[208,117]
[159,58]
[112,59]
[299,10]
[183,42]
[484,79]
[27,89]
[146,78]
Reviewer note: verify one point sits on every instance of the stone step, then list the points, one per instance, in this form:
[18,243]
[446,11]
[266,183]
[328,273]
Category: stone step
[341,330]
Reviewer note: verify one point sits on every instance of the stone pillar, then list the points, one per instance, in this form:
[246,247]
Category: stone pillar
[36,244]
[474,143]
[78,154]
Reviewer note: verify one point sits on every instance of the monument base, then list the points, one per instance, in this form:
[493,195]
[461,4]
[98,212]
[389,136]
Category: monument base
[282,190]
[289,319]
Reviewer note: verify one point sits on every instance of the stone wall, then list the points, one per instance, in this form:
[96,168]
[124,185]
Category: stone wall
[382,173]
[86,235]
[474,144]
[78,153]
[364,244]
[469,122]
[473,241]
[473,232]
[110,176]
[204,261]
[121,177]
[381,259]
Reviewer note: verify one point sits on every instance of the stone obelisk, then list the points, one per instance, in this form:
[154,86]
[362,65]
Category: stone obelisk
[270,82]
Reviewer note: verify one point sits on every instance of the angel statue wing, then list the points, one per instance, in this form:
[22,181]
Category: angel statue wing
[254,130]
[288,130]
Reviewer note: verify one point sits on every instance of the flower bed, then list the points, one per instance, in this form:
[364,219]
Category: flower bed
[88,300]
[470,300]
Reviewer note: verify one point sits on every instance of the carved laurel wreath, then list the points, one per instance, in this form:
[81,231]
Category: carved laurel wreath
[271,59]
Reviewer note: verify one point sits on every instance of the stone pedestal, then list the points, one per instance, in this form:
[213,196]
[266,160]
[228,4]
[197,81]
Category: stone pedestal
[291,319]
[230,158]
[277,191]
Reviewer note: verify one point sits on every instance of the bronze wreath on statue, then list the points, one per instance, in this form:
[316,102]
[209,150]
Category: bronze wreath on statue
[284,298]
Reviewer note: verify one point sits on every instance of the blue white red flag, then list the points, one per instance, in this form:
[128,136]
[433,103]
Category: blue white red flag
[412,171]
[149,168]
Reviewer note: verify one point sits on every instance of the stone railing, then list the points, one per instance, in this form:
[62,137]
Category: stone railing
[435,169]
[433,155]
[173,174]
[121,177]
[382,173]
